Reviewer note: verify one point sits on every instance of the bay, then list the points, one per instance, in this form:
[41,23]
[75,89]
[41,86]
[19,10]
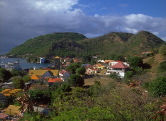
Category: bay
[23,63]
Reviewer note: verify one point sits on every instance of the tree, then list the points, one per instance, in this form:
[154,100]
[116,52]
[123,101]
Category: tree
[76,80]
[40,96]
[26,78]
[86,58]
[158,86]
[72,67]
[162,50]
[17,73]
[135,61]
[18,82]
[81,71]
[4,75]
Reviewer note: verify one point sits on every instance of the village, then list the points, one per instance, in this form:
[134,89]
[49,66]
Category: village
[46,77]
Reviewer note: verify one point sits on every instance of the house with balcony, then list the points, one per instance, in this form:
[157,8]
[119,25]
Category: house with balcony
[118,67]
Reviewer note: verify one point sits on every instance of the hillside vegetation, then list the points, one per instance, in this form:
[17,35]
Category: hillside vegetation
[77,45]
[45,45]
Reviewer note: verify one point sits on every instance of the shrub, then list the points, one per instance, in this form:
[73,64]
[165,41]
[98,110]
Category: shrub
[162,66]
[158,86]
[76,80]
[129,74]
[162,50]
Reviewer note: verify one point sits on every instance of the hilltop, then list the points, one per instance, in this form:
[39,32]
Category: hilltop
[78,45]
[48,44]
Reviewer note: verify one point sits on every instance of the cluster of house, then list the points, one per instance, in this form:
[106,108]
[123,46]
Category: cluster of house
[52,76]
[58,76]
[10,66]
[111,66]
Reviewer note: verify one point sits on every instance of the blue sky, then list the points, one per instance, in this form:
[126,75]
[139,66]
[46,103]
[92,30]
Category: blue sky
[21,20]
[155,8]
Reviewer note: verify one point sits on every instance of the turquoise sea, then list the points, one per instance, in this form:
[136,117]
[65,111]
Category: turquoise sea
[23,63]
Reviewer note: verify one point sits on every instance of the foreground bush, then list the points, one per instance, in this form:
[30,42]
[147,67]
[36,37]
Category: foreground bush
[158,86]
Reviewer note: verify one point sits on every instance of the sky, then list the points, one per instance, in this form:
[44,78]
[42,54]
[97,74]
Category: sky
[21,20]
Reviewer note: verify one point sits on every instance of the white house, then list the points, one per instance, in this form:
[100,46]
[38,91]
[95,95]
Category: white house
[119,68]
[115,62]
[64,75]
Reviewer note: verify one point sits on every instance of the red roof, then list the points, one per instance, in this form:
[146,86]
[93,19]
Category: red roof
[119,61]
[63,71]
[55,80]
[119,65]
[3,115]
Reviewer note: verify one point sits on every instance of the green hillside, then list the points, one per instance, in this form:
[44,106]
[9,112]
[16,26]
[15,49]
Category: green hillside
[48,44]
[142,41]
[77,45]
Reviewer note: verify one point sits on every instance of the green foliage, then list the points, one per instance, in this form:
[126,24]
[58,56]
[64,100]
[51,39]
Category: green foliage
[54,44]
[35,116]
[114,76]
[138,71]
[18,82]
[77,45]
[86,58]
[60,90]
[162,50]
[4,75]
[162,66]
[110,105]
[84,113]
[158,86]
[80,71]
[128,74]
[96,89]
[40,96]
[18,73]
[73,67]
[26,78]
[76,80]
[135,61]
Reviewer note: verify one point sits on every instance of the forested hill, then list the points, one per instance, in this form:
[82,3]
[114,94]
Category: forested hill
[49,44]
[77,45]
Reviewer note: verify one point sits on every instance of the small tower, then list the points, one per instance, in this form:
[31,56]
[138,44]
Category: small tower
[57,63]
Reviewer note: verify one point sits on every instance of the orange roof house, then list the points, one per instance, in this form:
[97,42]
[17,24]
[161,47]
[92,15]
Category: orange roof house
[53,80]
[9,92]
[108,61]
[37,74]
[35,77]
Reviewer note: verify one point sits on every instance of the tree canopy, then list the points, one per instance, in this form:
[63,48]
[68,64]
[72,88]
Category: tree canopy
[73,67]
[18,82]
[4,75]
[135,61]
[80,71]
[76,80]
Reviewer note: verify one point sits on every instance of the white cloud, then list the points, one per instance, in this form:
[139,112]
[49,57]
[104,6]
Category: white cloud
[25,19]
[55,5]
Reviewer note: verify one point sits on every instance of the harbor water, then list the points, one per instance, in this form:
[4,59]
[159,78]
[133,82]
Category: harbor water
[23,63]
